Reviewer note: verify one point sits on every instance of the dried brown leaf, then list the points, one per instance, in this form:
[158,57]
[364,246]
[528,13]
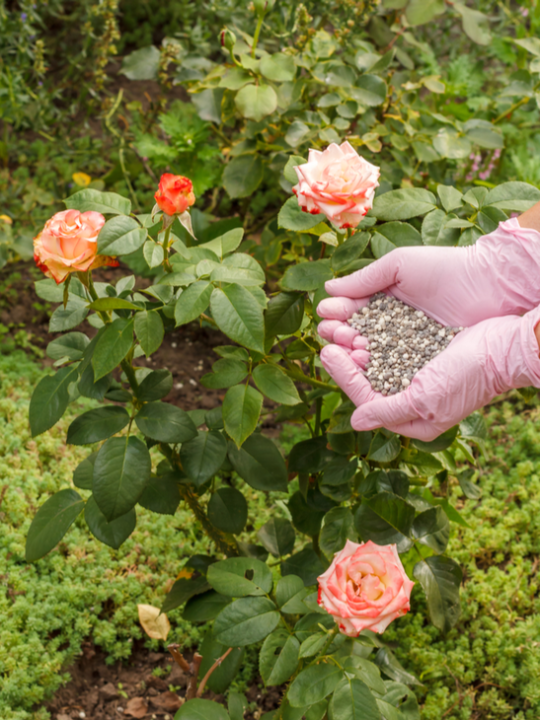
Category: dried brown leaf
[136,707]
[154,624]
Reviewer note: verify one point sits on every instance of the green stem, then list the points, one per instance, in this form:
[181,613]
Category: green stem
[318,411]
[235,61]
[257,33]
[331,635]
[165,244]
[300,377]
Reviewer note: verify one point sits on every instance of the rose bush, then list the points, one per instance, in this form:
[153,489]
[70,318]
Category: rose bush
[68,244]
[365,588]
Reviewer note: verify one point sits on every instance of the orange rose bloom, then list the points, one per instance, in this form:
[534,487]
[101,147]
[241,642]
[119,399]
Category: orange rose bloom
[175,194]
[68,243]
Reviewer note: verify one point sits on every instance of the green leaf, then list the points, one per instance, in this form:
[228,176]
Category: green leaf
[369,91]
[450,197]
[314,684]
[440,578]
[165,423]
[513,196]
[225,372]
[349,251]
[201,710]
[305,518]
[241,409]
[142,64]
[449,144]
[483,133]
[107,203]
[472,491]
[238,316]
[239,268]
[66,318]
[288,170]
[50,399]
[96,425]
[155,386]
[422,11]
[337,528]
[208,104]
[403,204]
[230,577]
[272,382]
[435,230]
[48,290]
[259,463]
[243,175]
[113,303]
[226,243]
[153,253]
[290,593]
[256,101]
[149,330]
[305,564]
[278,658]
[246,621]
[182,590]
[383,449]
[83,474]
[353,700]
[235,78]
[531,44]
[205,607]
[307,275]
[278,536]
[386,519]
[111,533]
[440,443]
[475,24]
[292,217]
[160,494]
[112,347]
[121,235]
[312,645]
[310,456]
[278,67]
[71,346]
[284,314]
[192,302]
[228,510]
[391,666]
[432,528]
[121,471]
[51,523]
[203,455]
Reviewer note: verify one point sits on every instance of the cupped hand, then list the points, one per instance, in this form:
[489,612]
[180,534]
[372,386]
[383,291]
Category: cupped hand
[480,363]
[458,286]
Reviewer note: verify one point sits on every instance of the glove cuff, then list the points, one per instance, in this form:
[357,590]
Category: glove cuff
[530,349]
[513,227]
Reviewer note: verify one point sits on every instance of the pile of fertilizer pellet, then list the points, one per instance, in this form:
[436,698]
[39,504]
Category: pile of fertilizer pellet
[401,341]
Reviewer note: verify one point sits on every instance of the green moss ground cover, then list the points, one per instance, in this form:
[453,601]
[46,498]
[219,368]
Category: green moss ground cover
[486,668]
[83,588]
[489,665]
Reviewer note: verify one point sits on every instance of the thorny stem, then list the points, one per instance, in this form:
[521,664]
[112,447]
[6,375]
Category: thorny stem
[191,690]
[166,263]
[210,671]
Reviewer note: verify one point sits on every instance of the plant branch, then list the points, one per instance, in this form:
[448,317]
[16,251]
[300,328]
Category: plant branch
[210,671]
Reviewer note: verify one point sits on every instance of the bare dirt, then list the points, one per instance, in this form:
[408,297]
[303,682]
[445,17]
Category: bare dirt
[151,687]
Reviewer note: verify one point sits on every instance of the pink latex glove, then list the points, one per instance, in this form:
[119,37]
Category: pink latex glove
[499,275]
[481,362]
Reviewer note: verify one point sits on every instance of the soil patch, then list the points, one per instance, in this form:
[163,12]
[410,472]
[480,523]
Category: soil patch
[187,352]
[151,687]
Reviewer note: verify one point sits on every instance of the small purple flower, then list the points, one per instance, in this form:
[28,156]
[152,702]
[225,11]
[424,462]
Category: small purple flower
[484,175]
[23,17]
[524,12]
[40,83]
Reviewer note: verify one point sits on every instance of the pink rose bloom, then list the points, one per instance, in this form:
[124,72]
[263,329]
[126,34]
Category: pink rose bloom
[338,183]
[68,243]
[365,588]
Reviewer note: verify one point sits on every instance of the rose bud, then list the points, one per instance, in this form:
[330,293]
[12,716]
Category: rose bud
[175,194]
[338,183]
[68,243]
[365,588]
[227,39]
[263,6]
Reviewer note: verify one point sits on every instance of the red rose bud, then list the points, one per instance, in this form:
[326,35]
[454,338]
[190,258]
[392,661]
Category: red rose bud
[227,39]
[175,194]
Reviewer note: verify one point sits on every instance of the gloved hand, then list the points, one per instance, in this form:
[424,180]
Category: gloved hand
[481,362]
[499,275]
